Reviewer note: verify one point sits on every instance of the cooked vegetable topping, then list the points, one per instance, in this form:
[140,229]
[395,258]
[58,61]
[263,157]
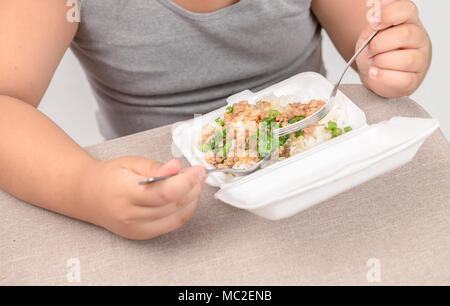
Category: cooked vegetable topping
[332,125]
[206,147]
[336,132]
[299,133]
[226,148]
[273,113]
[283,139]
[251,142]
[213,144]
[295,119]
[258,121]
[220,121]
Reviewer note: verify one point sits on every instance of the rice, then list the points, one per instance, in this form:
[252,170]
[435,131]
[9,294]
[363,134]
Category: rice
[222,141]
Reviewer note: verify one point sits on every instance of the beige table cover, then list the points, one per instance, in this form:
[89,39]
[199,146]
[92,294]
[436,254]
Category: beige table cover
[401,220]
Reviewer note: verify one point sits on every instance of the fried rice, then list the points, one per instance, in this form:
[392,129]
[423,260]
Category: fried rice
[242,136]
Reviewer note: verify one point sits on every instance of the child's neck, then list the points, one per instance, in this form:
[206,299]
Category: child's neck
[204,6]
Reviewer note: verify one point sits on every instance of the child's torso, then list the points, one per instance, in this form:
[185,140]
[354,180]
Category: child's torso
[154,61]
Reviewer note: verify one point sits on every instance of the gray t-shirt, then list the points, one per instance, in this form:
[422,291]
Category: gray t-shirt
[151,62]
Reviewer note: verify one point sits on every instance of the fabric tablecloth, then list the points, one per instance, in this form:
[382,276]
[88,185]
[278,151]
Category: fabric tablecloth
[394,229]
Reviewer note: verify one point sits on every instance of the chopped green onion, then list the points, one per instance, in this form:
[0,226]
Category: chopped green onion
[220,121]
[332,125]
[205,147]
[220,136]
[264,147]
[269,122]
[269,142]
[347,129]
[283,140]
[212,144]
[336,132]
[249,141]
[230,109]
[267,119]
[295,119]
[224,133]
[273,113]
[226,148]
[299,133]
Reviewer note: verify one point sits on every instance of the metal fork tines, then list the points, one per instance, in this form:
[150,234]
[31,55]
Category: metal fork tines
[316,117]
[238,172]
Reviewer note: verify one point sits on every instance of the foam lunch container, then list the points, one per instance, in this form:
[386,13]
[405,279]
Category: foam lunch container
[291,185]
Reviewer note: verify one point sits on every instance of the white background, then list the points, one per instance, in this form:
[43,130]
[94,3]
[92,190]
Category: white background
[70,104]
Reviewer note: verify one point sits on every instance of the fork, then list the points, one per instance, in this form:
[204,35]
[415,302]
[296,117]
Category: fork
[238,172]
[289,129]
[323,112]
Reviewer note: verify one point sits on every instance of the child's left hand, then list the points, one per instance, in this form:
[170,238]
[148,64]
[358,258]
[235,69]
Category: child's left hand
[397,59]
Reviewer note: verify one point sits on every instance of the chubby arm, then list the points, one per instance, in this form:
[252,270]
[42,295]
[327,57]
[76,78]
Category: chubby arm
[344,21]
[397,59]
[40,164]
[34,37]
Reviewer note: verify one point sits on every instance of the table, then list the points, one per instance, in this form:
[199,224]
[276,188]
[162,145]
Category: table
[398,224]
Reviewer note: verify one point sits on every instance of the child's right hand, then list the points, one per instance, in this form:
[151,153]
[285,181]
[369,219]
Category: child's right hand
[111,197]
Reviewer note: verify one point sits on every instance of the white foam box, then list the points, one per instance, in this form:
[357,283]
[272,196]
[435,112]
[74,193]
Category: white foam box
[301,181]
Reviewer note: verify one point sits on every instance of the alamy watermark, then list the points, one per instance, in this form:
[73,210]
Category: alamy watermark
[373,275]
[374,14]
[74,13]
[74,273]
[236,139]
